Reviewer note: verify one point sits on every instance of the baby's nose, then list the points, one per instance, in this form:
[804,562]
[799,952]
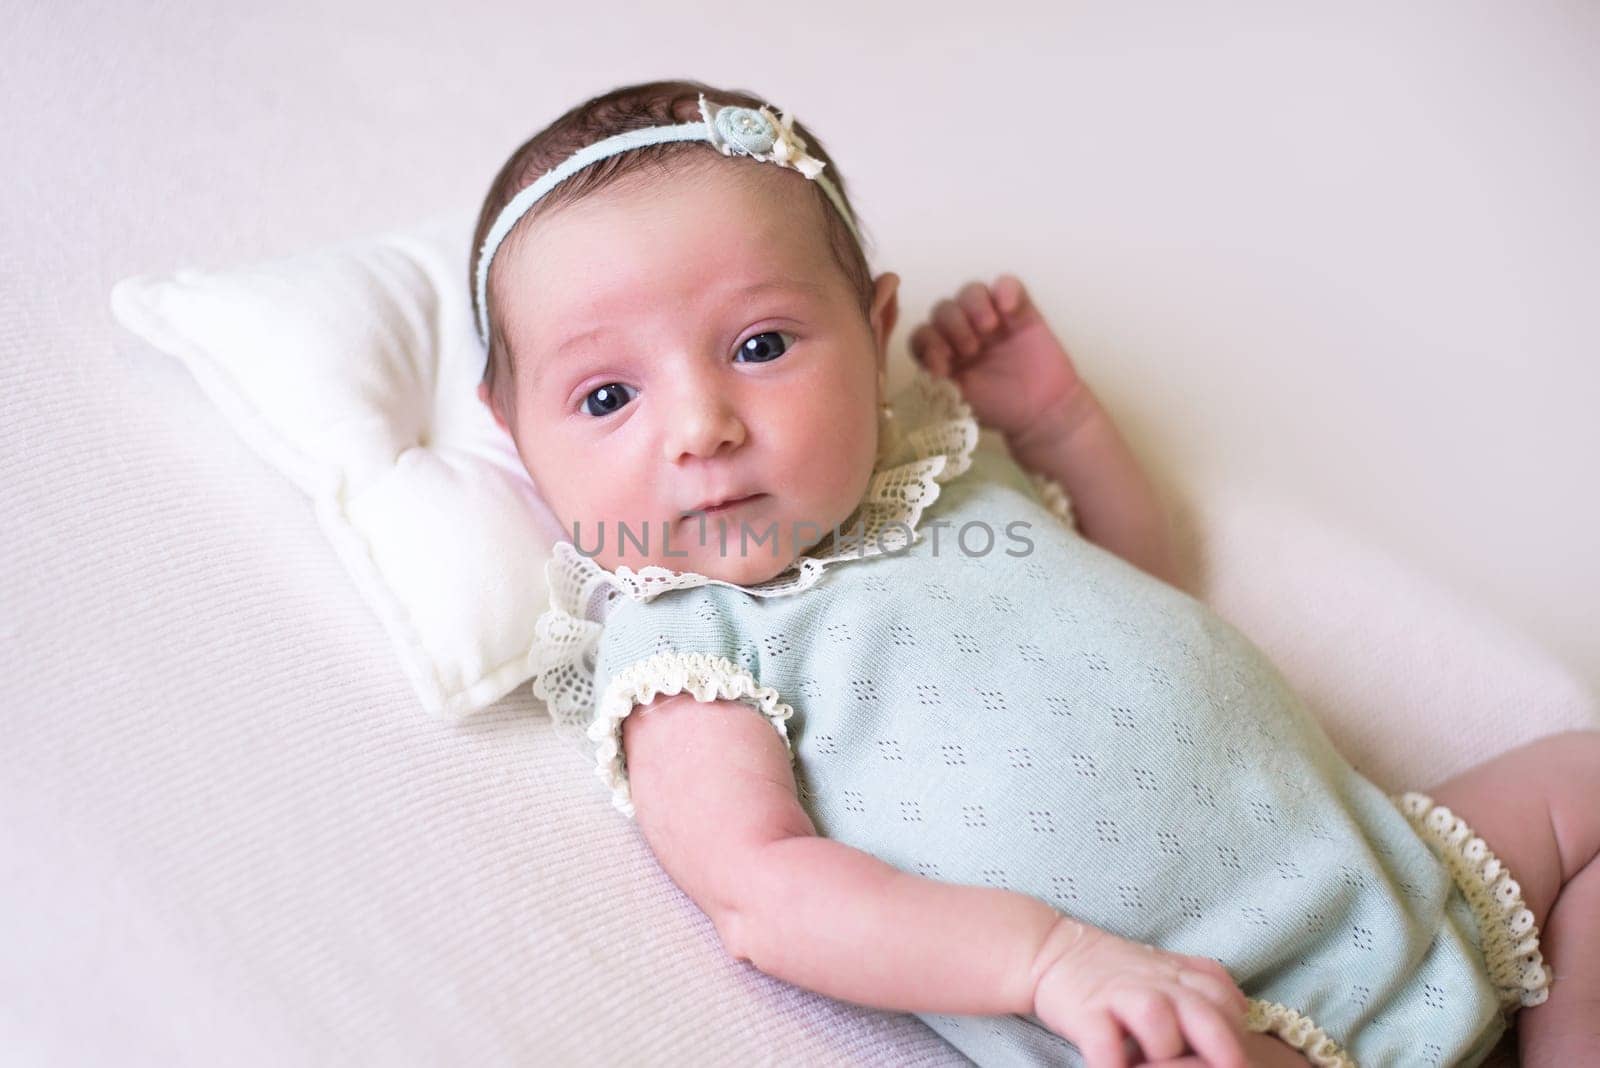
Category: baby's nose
[706,425]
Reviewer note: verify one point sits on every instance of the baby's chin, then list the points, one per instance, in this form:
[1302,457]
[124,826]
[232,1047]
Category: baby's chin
[759,563]
[745,553]
[743,549]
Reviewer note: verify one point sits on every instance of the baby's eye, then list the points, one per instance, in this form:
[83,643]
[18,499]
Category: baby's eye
[609,398]
[763,348]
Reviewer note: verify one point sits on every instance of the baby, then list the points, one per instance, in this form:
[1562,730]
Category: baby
[1004,773]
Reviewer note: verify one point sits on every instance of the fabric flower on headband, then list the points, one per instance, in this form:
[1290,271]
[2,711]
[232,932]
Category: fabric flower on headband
[754,132]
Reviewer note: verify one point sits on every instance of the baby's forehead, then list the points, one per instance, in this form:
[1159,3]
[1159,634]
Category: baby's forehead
[734,204]
[671,235]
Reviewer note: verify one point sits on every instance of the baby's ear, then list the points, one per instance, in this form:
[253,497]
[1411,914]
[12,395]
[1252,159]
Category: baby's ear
[885,310]
[488,400]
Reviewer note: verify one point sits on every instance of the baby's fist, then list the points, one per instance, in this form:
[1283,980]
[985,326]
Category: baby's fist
[995,345]
[1100,990]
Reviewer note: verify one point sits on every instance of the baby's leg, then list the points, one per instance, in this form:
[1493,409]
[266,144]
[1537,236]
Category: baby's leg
[1537,807]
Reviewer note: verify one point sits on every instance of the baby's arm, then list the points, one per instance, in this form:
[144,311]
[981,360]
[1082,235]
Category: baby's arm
[1078,445]
[1012,368]
[714,794]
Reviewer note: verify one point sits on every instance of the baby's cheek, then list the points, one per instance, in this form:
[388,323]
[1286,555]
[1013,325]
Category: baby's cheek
[836,474]
[864,454]
[577,495]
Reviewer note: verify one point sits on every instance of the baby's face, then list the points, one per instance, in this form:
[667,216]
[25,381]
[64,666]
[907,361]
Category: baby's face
[684,341]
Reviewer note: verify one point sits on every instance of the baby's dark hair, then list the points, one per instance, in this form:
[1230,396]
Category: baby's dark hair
[630,107]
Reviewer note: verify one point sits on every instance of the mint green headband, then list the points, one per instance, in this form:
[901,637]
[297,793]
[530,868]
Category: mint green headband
[752,132]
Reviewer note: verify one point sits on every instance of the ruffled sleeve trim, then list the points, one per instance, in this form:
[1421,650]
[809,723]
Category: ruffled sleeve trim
[1054,497]
[708,678]
[567,635]
[1273,1018]
[1505,923]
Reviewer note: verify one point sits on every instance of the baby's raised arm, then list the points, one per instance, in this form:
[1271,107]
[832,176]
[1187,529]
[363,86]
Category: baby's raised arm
[714,795]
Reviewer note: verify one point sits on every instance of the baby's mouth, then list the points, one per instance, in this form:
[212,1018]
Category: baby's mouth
[725,506]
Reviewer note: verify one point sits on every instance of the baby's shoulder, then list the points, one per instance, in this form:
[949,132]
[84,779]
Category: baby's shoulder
[998,484]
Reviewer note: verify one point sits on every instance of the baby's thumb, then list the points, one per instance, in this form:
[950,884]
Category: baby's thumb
[1011,297]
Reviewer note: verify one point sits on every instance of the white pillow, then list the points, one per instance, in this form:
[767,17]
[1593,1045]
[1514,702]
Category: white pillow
[354,369]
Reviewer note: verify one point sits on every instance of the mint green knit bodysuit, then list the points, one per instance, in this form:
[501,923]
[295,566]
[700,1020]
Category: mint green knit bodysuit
[1050,719]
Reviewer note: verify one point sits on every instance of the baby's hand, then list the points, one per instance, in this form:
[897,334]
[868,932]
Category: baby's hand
[1002,354]
[1170,1004]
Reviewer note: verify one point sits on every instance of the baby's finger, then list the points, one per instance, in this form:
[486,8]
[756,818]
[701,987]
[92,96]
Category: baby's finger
[1212,1035]
[1152,1020]
[1216,984]
[952,323]
[931,351]
[1100,1041]
[1011,297]
[976,301]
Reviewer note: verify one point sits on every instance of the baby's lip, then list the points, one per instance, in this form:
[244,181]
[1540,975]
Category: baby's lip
[722,505]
